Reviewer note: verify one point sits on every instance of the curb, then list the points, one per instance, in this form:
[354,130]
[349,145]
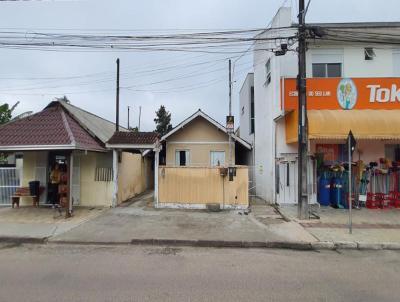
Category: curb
[288,245]
[21,240]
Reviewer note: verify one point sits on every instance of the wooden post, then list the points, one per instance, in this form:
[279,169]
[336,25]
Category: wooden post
[115,178]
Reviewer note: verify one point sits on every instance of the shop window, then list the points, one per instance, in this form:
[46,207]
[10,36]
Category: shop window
[327,70]
[252,115]
[182,158]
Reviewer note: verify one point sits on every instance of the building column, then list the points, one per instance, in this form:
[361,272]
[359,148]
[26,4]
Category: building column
[115,178]
[71,172]
[156,165]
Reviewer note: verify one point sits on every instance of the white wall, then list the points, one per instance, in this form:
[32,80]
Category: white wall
[244,109]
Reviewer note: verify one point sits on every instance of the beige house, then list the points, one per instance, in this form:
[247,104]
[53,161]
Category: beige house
[76,140]
[196,159]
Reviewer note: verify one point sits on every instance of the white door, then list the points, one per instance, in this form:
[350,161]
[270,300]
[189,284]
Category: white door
[287,182]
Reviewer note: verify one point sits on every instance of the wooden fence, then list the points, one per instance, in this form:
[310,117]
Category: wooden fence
[198,186]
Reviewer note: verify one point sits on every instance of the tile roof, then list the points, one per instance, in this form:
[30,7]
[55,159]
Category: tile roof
[97,126]
[52,126]
[133,138]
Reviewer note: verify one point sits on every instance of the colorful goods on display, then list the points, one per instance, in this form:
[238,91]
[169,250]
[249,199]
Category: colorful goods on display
[375,186]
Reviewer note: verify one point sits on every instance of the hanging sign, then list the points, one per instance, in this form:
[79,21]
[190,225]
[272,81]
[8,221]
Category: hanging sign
[230,123]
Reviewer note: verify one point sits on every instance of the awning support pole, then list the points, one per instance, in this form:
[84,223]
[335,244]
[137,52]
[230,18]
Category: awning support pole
[71,172]
[115,178]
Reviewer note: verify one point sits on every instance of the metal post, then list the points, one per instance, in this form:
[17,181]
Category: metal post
[117,100]
[302,127]
[350,201]
[128,116]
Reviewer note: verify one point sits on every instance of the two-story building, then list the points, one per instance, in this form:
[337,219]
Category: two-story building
[353,84]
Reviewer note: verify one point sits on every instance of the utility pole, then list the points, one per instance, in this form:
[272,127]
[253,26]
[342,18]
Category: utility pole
[230,111]
[117,100]
[128,116]
[302,189]
[140,113]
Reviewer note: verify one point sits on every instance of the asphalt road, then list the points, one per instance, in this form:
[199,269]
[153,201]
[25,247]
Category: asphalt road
[128,273]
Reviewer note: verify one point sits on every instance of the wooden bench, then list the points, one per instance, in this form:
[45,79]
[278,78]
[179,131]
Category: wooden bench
[25,192]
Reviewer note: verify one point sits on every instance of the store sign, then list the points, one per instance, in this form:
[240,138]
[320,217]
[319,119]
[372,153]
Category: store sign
[345,94]
[330,151]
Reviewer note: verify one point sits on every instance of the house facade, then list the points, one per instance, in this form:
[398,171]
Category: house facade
[350,86]
[75,140]
[195,161]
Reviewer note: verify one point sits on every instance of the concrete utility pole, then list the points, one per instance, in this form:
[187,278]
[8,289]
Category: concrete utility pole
[230,111]
[128,116]
[302,189]
[140,113]
[117,100]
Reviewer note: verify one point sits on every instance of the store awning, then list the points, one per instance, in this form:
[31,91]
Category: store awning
[336,124]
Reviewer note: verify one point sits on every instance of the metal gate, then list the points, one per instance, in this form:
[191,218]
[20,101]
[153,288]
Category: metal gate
[10,180]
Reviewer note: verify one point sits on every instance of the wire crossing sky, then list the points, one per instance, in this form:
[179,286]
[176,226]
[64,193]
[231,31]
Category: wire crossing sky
[172,52]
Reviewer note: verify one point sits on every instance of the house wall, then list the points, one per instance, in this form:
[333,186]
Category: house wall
[133,176]
[94,193]
[197,186]
[200,138]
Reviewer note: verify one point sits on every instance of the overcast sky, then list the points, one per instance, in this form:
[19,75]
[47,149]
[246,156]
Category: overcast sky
[185,88]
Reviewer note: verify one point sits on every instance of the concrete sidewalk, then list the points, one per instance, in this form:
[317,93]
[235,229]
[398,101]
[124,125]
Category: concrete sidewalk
[38,224]
[140,222]
[377,227]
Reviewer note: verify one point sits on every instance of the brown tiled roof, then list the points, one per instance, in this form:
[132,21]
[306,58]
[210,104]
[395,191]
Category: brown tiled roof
[133,138]
[51,127]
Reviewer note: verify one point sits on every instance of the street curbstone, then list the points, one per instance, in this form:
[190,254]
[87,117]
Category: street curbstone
[369,246]
[292,245]
[22,240]
[391,246]
[323,245]
[346,245]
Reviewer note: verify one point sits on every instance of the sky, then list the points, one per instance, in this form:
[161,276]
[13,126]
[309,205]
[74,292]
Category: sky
[183,82]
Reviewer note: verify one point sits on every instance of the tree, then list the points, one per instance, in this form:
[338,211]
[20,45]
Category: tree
[134,129]
[6,112]
[163,121]
[63,99]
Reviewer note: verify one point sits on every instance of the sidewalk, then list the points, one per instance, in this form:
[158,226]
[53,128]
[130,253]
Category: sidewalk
[38,224]
[140,222]
[378,227]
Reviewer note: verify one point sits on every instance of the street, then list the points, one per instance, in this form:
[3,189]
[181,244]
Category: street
[147,273]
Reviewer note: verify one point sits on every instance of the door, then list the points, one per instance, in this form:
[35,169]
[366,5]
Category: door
[287,182]
[41,172]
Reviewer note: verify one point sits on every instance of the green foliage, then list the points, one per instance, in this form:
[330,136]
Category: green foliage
[163,121]
[6,112]
[134,129]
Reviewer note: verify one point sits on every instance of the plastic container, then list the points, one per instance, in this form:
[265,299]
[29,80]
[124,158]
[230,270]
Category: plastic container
[336,193]
[324,189]
[34,187]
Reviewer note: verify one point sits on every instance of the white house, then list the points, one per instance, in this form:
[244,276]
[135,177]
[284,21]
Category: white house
[370,66]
